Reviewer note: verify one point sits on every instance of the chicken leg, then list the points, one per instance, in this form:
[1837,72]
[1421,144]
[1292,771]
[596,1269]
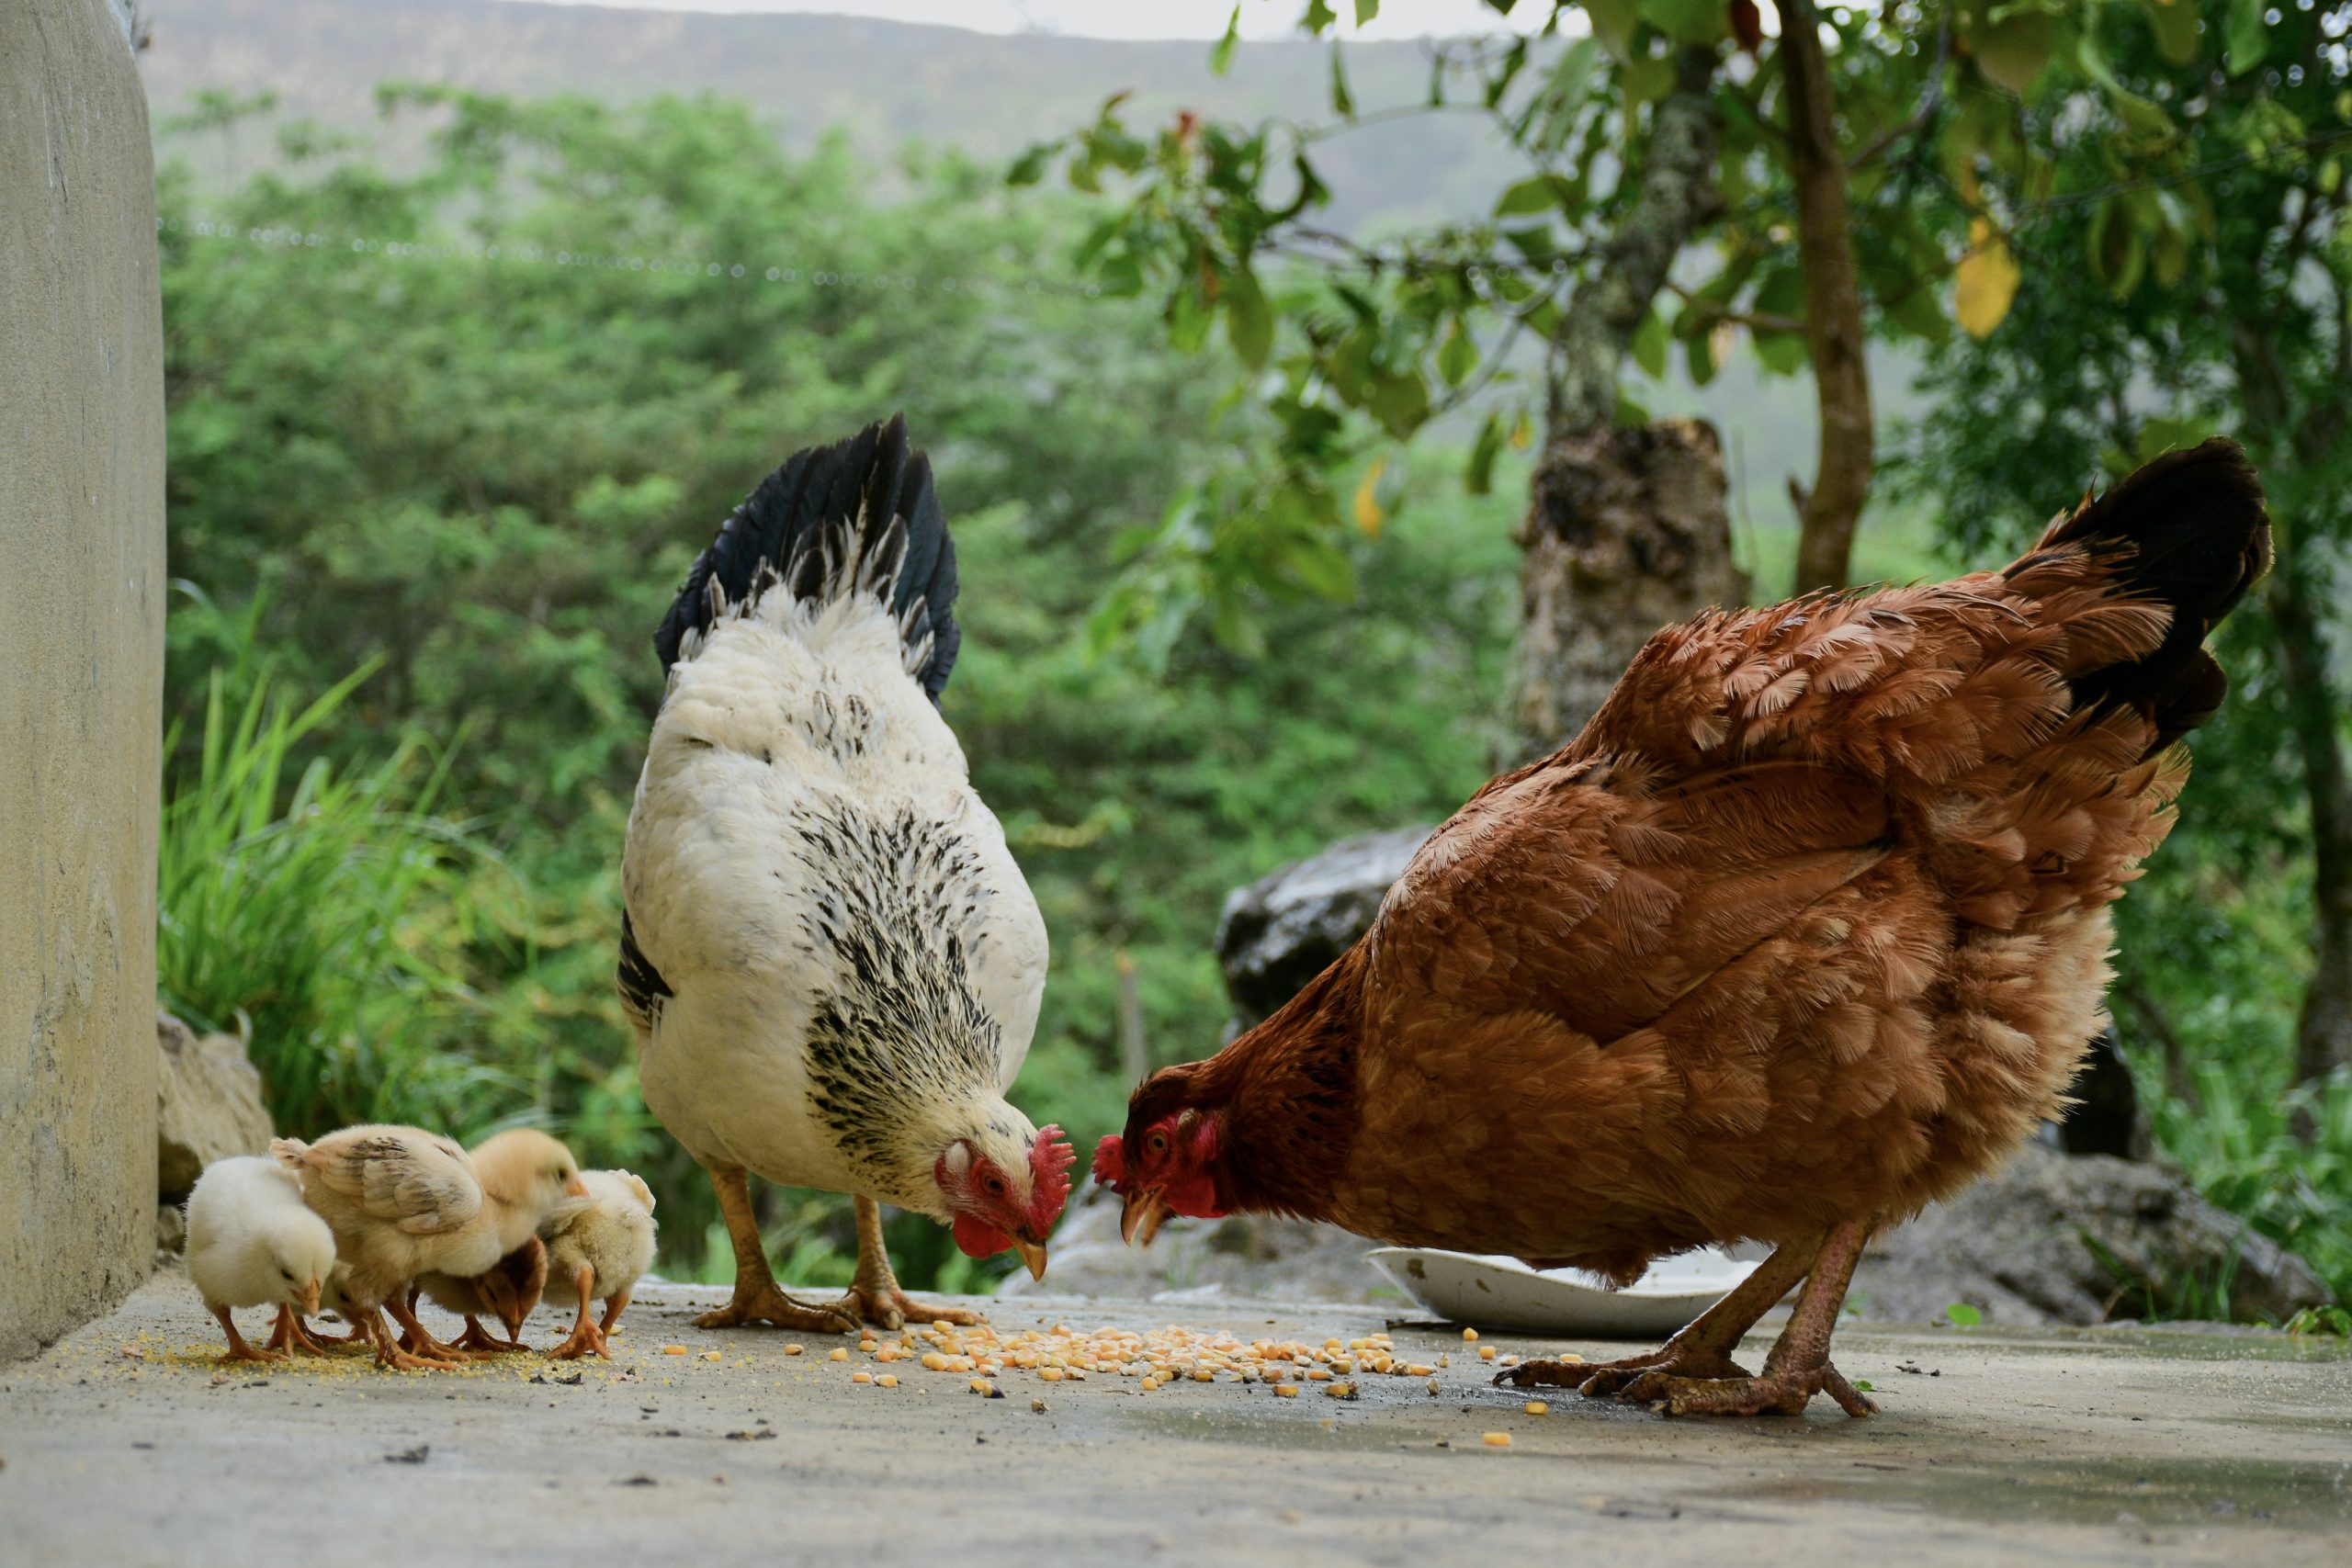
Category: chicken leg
[758,1298]
[238,1349]
[586,1335]
[418,1340]
[291,1334]
[1795,1368]
[1702,1348]
[875,1296]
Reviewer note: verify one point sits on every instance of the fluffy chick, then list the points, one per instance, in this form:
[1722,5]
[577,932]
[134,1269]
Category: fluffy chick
[599,1248]
[403,1202]
[508,1292]
[252,1242]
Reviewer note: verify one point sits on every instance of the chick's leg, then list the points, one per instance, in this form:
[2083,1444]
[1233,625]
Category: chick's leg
[238,1349]
[481,1340]
[417,1340]
[757,1297]
[1702,1349]
[585,1334]
[291,1334]
[875,1296]
[1796,1368]
[388,1354]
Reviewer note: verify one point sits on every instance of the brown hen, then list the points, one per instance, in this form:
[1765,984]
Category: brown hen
[1807,929]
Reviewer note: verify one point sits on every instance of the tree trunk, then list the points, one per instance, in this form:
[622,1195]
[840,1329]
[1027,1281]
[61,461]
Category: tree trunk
[1833,309]
[1626,530]
[2323,1028]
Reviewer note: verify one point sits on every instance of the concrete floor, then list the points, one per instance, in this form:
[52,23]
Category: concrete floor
[124,1444]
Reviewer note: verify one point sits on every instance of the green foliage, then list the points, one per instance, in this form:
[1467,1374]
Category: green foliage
[1961,1315]
[481,477]
[1345,348]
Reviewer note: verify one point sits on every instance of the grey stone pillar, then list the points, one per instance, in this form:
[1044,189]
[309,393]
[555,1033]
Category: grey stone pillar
[81,667]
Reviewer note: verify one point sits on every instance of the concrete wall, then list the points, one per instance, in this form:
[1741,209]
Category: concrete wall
[81,667]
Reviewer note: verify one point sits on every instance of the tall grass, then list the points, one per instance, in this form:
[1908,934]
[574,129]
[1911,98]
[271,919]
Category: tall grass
[287,895]
[2238,1145]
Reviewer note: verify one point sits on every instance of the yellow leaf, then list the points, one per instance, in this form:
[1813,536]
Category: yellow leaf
[1369,515]
[1987,279]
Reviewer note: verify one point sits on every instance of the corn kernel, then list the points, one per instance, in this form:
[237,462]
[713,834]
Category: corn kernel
[1149,1384]
[1417,1370]
[1470,1337]
[837,1354]
[1286,1390]
[1049,1374]
[861,1377]
[1432,1388]
[714,1355]
[982,1387]
[673,1349]
[932,1362]
[1497,1439]
[792,1349]
[887,1379]
[1205,1375]
[1536,1407]
[1486,1352]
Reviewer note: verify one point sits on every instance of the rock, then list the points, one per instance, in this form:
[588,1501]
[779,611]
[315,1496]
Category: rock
[207,1105]
[171,1234]
[2049,1240]
[1282,931]
[1244,1258]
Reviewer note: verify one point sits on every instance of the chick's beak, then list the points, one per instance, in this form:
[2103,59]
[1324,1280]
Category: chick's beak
[1140,1219]
[1033,1253]
[575,1187]
[310,1299]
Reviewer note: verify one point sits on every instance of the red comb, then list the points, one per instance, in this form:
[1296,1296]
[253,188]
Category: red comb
[1050,1159]
[1110,1162]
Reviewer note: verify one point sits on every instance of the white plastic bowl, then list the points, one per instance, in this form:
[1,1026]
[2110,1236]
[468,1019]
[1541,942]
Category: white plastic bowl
[1503,1292]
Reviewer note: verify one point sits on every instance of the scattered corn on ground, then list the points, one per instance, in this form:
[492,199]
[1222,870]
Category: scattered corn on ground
[1152,1360]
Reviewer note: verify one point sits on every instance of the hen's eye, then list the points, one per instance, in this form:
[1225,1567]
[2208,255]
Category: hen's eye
[1157,1142]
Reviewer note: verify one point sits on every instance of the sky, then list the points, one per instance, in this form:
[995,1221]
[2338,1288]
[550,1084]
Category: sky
[1131,18]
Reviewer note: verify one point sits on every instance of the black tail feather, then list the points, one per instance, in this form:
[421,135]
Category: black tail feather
[2189,532]
[859,511]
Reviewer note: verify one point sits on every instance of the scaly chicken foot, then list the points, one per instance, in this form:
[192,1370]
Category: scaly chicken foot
[758,1298]
[291,1334]
[586,1335]
[481,1340]
[874,1294]
[238,1349]
[1702,1351]
[1798,1365]
[418,1342]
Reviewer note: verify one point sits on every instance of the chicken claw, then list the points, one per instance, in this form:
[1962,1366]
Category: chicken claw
[768,1303]
[479,1340]
[291,1334]
[1785,1392]
[238,1349]
[875,1296]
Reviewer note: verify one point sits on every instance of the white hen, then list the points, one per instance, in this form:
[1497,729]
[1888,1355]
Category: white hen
[832,962]
[252,1242]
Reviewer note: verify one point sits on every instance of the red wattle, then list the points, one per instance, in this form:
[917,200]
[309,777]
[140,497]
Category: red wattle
[978,1238]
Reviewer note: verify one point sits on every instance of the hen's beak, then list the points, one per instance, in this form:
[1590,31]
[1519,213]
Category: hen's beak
[1033,1253]
[1143,1213]
[310,1299]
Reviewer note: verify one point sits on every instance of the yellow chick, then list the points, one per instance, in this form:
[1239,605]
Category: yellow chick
[403,1202]
[597,1250]
[251,1242]
[508,1292]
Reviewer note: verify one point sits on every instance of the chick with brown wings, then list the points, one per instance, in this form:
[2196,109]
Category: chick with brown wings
[1806,929]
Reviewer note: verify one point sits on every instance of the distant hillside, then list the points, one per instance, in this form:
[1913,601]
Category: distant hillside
[882,83]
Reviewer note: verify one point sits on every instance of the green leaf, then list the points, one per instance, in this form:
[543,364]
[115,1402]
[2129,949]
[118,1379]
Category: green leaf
[1631,415]
[1783,353]
[1221,57]
[2117,256]
[1030,167]
[1688,21]
[1366,10]
[1537,193]
[1247,321]
[2014,49]
[1649,344]
[1343,103]
[1319,15]
[1401,404]
[2248,39]
[2175,22]
[1699,358]
[1457,355]
[1962,1315]
[1613,22]
[1478,475]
